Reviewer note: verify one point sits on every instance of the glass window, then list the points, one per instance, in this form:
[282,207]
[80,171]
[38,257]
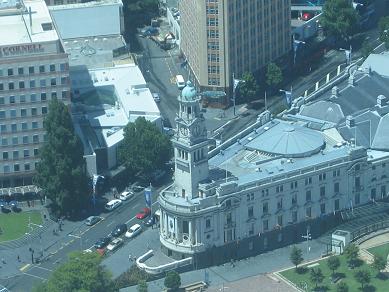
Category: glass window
[62,67]
[2,114]
[42,69]
[1,72]
[34,125]
[53,95]
[25,139]
[52,67]
[3,128]
[14,128]
[15,154]
[22,98]
[33,97]
[10,72]
[265,224]
[64,80]
[6,168]
[322,191]
[2,100]
[308,196]
[24,126]
[35,139]
[34,111]
[16,167]
[64,94]
[31,70]
[1,86]
[53,81]
[26,153]
[23,112]
[15,141]
[4,141]
[5,155]
[42,82]
[13,113]
[32,83]
[36,151]
[44,110]
[12,99]
[21,84]
[250,212]
[20,70]
[11,86]
[27,166]
[43,96]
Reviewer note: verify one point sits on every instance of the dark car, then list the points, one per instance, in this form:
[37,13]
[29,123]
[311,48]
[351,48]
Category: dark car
[119,230]
[150,222]
[102,242]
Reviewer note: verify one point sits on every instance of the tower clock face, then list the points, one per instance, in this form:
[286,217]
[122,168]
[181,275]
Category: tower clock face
[184,131]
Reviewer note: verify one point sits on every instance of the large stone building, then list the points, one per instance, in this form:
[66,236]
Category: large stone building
[222,37]
[265,189]
[33,70]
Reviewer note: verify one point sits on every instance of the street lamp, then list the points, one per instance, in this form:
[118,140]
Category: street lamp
[307,237]
[348,54]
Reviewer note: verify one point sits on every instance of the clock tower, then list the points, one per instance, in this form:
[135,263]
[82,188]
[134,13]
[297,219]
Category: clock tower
[190,144]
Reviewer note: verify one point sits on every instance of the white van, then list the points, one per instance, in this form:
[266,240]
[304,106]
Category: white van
[113,204]
[180,81]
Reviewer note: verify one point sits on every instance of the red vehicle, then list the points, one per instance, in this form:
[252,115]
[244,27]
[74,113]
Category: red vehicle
[143,214]
[306,16]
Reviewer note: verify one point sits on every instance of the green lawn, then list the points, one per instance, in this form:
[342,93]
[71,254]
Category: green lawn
[14,225]
[382,250]
[343,271]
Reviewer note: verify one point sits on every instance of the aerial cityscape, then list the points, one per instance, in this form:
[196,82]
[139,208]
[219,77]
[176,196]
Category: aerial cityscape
[194,145]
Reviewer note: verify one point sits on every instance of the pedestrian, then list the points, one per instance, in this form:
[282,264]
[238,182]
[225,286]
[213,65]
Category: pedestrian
[18,258]
[3,261]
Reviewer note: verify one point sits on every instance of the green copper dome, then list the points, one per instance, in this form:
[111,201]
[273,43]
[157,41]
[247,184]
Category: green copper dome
[189,92]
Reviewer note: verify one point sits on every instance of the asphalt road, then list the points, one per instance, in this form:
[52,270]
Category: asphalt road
[80,239]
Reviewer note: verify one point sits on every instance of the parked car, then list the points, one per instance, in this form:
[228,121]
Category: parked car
[137,188]
[133,231]
[143,214]
[119,230]
[126,195]
[113,204]
[92,220]
[150,221]
[102,242]
[115,244]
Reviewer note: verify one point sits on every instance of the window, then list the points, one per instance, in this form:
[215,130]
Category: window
[322,191]
[64,80]
[21,84]
[357,182]
[22,99]
[23,112]
[228,218]
[250,212]
[336,173]
[15,154]
[10,72]
[2,100]
[2,114]
[34,125]
[3,128]
[52,68]
[20,71]
[5,155]
[15,140]
[43,96]
[308,196]
[251,229]
[16,167]
[14,128]
[33,97]
[208,223]
[279,189]
[308,181]
[357,198]
[42,69]
[11,86]
[6,168]
[12,99]
[322,176]
[34,111]
[279,204]
[13,113]
[4,141]
[53,81]
[64,94]
[62,67]
[336,205]
[31,70]
[293,185]
[308,212]
[322,208]
[27,166]
[336,187]
[53,95]
[294,216]
[42,82]
[25,139]
[35,139]
[265,208]
[24,126]
[383,191]
[294,199]
[357,167]
[265,224]
[373,193]
[1,86]
[279,220]
[32,83]
[36,152]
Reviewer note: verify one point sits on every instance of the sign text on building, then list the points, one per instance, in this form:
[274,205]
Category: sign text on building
[21,50]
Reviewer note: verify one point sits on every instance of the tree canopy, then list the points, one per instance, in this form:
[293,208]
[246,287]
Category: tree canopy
[144,148]
[296,256]
[362,277]
[379,263]
[172,280]
[383,26]
[342,287]
[61,172]
[316,276]
[339,19]
[333,264]
[351,252]
[82,272]
[273,75]
[248,88]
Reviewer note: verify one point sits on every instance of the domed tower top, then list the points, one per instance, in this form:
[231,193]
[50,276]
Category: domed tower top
[189,93]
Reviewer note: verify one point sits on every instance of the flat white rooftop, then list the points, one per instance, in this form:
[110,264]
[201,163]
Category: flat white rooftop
[15,26]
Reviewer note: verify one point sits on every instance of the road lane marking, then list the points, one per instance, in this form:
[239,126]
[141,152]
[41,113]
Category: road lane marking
[24,267]
[109,224]
[76,236]
[35,276]
[43,268]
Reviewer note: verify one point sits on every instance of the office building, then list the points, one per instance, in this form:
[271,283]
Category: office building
[33,70]
[222,37]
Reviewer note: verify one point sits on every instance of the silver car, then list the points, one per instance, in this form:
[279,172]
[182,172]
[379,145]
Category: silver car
[92,220]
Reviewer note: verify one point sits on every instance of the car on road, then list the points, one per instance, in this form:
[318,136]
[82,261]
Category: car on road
[180,81]
[92,220]
[133,231]
[126,195]
[156,97]
[115,244]
[119,230]
[150,221]
[102,242]
[113,204]
[137,188]
[145,212]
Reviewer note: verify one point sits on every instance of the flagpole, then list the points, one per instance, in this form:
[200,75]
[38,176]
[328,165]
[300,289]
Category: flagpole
[265,101]
[151,201]
[233,91]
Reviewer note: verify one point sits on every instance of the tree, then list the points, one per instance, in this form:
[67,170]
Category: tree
[172,280]
[296,256]
[273,75]
[316,276]
[339,19]
[366,48]
[333,264]
[144,148]
[248,88]
[379,263]
[342,287]
[142,286]
[362,277]
[351,252]
[61,172]
[82,272]
[383,26]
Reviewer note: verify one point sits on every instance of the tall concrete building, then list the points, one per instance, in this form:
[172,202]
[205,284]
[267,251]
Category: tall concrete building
[33,70]
[222,37]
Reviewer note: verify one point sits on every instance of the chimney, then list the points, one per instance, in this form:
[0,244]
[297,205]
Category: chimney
[30,15]
[334,92]
[381,100]
[350,122]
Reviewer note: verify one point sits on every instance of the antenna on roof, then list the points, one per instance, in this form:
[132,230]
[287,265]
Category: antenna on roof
[30,15]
